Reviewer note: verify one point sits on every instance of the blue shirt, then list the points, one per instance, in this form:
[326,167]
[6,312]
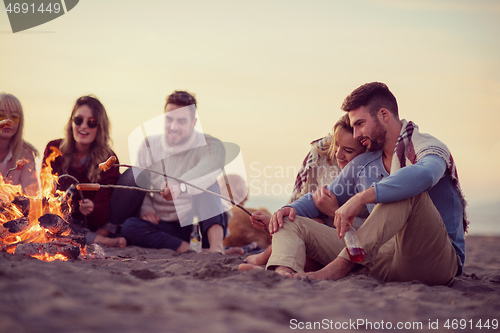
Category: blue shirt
[429,174]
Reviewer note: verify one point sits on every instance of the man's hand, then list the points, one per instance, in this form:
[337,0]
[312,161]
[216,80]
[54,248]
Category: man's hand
[86,206]
[260,220]
[326,202]
[172,190]
[277,218]
[151,217]
[345,215]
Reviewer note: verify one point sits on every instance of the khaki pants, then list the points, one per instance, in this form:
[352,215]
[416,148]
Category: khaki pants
[403,241]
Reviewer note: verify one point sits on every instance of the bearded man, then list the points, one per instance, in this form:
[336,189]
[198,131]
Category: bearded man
[409,183]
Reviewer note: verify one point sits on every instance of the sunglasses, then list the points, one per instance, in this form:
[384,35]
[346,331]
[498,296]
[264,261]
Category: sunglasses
[14,117]
[91,123]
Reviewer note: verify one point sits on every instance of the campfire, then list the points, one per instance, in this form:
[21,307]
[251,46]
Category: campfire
[37,226]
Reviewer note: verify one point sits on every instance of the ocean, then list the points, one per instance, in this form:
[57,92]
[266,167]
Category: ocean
[484,218]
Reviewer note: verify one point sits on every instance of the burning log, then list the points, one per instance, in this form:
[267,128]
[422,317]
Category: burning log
[54,224]
[72,239]
[50,249]
[61,231]
[17,226]
[23,203]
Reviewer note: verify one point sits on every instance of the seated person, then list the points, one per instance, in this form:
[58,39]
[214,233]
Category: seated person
[13,148]
[78,154]
[328,156]
[181,152]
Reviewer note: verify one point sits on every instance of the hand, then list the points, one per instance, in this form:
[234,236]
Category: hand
[172,190]
[345,215]
[86,206]
[326,202]
[277,218]
[151,217]
[260,220]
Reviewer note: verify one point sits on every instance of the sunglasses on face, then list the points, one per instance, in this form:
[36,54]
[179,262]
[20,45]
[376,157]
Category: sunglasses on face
[91,123]
[14,117]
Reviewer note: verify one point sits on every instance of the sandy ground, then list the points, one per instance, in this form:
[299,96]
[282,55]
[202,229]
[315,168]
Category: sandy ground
[144,290]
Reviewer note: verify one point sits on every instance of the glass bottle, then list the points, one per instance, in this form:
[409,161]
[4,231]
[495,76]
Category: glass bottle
[195,242]
[354,249]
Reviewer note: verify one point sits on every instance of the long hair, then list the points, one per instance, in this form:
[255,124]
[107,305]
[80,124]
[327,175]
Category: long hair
[100,149]
[328,147]
[10,103]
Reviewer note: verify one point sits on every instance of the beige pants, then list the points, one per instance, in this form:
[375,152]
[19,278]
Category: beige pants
[403,241]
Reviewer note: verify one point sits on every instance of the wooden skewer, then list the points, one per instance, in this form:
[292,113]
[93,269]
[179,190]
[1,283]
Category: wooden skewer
[96,187]
[105,166]
[110,162]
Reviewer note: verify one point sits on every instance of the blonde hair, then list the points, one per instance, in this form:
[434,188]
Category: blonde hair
[328,148]
[9,102]
[100,150]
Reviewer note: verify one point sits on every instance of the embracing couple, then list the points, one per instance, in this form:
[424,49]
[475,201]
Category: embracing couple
[408,182]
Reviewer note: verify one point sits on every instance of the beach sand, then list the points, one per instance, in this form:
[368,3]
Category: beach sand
[147,290]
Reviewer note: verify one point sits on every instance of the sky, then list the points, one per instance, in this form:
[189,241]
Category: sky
[269,76]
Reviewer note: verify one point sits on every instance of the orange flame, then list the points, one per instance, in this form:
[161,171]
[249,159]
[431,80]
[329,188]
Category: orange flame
[45,202]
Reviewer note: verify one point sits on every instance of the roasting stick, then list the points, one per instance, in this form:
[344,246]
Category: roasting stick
[70,189]
[19,166]
[111,162]
[95,187]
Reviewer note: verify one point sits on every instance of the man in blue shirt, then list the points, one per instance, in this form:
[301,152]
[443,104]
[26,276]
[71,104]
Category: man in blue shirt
[408,180]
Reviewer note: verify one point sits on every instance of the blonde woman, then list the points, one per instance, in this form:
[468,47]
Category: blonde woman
[327,157]
[13,148]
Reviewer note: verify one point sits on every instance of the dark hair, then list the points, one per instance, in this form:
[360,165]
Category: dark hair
[374,96]
[181,98]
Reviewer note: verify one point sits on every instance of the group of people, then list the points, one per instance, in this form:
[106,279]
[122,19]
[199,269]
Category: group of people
[117,217]
[376,174]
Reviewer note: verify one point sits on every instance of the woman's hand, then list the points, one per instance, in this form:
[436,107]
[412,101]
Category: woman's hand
[86,206]
[325,201]
[277,218]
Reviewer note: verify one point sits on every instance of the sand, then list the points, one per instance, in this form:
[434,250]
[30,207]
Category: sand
[147,290]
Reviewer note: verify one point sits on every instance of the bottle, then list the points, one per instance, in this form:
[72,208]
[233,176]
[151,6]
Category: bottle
[354,249]
[195,243]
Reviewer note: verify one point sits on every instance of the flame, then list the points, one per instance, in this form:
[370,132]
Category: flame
[46,201]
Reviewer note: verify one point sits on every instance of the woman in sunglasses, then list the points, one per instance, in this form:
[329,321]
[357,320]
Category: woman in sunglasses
[86,144]
[13,148]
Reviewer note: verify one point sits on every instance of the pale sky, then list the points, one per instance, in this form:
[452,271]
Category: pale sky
[269,76]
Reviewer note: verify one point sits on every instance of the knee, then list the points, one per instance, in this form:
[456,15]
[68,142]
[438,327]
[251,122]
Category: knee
[296,225]
[131,225]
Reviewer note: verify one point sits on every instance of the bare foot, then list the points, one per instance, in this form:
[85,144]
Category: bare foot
[234,250]
[335,270]
[260,258]
[111,242]
[103,232]
[216,248]
[285,271]
[249,267]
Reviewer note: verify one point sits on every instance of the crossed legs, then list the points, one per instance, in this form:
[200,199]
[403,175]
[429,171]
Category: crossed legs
[403,241]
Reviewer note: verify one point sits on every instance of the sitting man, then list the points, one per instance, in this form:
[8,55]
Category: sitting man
[165,218]
[408,180]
